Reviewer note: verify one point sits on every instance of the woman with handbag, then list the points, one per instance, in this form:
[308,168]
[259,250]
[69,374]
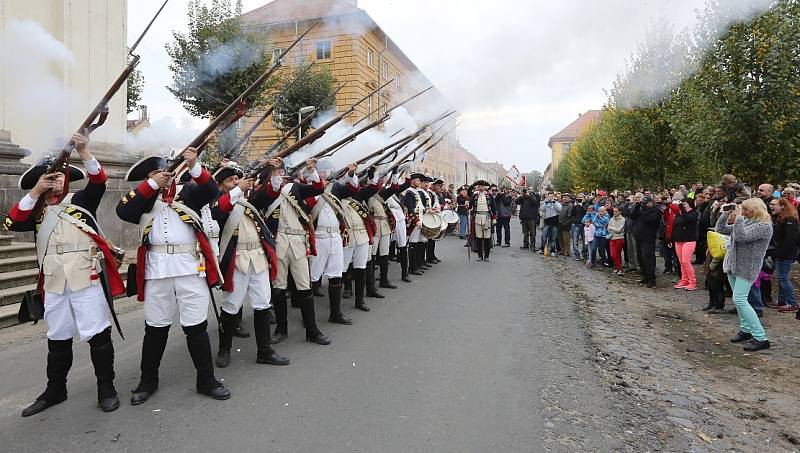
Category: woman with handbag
[750,228]
[783,250]
[684,235]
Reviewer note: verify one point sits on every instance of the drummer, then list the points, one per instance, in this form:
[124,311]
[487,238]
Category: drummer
[437,202]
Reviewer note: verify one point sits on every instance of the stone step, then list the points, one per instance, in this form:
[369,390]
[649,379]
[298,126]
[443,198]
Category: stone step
[18,278]
[8,315]
[18,263]
[17,249]
[6,239]
[13,295]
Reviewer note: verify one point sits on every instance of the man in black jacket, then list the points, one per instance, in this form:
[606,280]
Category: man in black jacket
[576,229]
[648,220]
[528,217]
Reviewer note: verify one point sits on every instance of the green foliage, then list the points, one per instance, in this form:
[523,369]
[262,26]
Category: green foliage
[314,88]
[562,178]
[216,60]
[134,87]
[694,107]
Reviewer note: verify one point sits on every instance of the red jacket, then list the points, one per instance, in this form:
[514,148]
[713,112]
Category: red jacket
[669,217]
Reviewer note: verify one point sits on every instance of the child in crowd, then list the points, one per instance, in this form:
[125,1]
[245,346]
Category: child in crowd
[588,237]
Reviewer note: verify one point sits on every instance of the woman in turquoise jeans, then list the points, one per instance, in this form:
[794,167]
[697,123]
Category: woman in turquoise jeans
[750,228]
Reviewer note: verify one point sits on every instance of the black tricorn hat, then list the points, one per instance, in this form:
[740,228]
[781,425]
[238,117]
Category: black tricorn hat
[438,181]
[144,166]
[29,179]
[419,176]
[226,171]
[481,182]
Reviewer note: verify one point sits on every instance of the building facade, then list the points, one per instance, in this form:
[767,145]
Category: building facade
[360,54]
[470,169]
[561,143]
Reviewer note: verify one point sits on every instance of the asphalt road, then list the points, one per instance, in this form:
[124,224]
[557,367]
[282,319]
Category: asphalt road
[471,357]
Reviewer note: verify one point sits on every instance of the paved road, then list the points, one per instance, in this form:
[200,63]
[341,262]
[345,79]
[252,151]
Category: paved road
[472,357]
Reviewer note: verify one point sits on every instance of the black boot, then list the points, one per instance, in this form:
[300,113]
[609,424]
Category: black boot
[153,345]
[291,292]
[413,264]
[226,330]
[403,254]
[335,298]
[265,352]
[281,321]
[372,291]
[59,361]
[309,319]
[101,350]
[383,265]
[347,281]
[433,252]
[419,250]
[200,351]
[359,275]
[392,251]
[423,246]
[240,331]
[429,246]
[316,287]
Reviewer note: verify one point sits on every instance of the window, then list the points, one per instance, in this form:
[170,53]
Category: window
[566,147]
[397,81]
[369,57]
[385,70]
[369,105]
[323,50]
[276,52]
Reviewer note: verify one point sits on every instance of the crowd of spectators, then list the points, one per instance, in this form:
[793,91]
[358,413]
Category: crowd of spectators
[755,240]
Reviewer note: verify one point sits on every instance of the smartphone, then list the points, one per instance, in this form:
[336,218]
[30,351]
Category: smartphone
[729,207]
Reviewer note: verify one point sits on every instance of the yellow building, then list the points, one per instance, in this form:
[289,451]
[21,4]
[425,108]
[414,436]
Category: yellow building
[359,53]
[561,143]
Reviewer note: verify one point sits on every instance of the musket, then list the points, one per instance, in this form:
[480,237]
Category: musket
[392,148]
[234,151]
[401,103]
[345,140]
[275,146]
[405,157]
[395,107]
[320,131]
[202,140]
[97,116]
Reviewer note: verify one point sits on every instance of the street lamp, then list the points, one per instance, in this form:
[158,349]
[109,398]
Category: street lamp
[306,109]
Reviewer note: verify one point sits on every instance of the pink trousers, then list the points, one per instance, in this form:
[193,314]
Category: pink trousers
[685,250]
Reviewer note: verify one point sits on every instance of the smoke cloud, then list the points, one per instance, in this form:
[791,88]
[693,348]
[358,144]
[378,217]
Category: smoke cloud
[33,64]
[160,138]
[226,57]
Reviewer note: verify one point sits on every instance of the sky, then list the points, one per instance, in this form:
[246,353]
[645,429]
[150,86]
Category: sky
[518,71]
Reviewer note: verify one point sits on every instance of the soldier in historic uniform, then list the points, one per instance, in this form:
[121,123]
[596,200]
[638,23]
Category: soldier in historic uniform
[437,201]
[175,267]
[400,233]
[385,225]
[415,207]
[248,263]
[483,215]
[362,235]
[332,231]
[287,216]
[71,253]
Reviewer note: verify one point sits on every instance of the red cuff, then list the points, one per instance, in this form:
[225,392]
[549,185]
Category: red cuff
[319,185]
[99,178]
[353,189]
[311,202]
[145,189]
[395,186]
[203,178]
[225,203]
[18,215]
[271,193]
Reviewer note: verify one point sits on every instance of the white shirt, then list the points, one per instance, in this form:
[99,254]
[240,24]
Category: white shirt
[169,229]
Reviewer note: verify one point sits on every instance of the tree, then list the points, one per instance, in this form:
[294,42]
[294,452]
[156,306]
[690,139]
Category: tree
[562,178]
[134,88]
[216,60]
[314,88]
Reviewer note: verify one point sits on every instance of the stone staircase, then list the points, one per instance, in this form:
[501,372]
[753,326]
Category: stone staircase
[18,272]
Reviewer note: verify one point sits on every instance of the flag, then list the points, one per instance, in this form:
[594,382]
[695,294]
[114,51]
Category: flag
[515,176]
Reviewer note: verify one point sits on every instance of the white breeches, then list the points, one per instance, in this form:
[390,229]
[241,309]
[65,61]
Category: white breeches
[187,295]
[416,235]
[399,233]
[329,260]
[380,246]
[83,313]
[299,269]
[356,254]
[252,285]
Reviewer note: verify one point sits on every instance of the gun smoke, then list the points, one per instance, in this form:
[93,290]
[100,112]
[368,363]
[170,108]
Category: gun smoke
[33,65]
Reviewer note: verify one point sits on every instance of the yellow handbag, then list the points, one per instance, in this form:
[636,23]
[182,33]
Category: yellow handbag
[717,244]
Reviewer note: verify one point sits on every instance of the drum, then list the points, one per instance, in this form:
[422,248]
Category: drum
[431,225]
[449,216]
